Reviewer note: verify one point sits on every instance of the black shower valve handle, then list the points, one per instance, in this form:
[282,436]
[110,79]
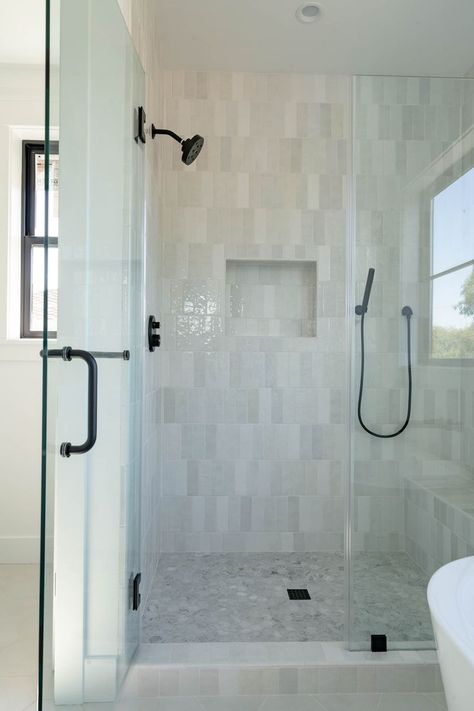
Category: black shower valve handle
[154,339]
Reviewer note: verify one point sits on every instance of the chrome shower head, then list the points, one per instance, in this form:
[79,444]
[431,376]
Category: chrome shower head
[191,147]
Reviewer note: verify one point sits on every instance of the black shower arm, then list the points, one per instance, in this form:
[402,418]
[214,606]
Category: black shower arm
[165,132]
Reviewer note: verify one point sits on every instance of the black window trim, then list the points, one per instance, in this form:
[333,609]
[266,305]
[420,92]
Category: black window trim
[30,149]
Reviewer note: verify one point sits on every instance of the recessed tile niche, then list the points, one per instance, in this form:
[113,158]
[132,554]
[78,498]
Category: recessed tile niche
[270,298]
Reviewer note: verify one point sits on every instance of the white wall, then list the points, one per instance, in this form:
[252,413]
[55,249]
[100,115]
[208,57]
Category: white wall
[21,109]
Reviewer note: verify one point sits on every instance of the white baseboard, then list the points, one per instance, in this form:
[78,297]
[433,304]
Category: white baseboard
[19,550]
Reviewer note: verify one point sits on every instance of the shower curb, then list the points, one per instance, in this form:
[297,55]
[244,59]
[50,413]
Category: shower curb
[154,674]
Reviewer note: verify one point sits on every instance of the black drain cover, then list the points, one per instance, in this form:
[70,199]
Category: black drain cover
[378,642]
[298,594]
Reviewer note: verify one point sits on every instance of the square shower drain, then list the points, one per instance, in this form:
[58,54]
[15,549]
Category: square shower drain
[298,594]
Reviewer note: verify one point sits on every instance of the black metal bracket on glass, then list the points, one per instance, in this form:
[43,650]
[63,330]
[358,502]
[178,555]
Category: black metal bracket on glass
[136,591]
[67,354]
[154,339]
[141,120]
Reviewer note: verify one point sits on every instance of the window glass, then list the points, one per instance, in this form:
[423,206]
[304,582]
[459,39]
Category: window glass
[53,217]
[34,238]
[453,315]
[452,275]
[453,224]
[37,288]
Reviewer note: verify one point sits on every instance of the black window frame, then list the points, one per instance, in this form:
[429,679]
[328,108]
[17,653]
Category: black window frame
[30,149]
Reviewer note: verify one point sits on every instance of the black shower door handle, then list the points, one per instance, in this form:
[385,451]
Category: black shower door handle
[67,354]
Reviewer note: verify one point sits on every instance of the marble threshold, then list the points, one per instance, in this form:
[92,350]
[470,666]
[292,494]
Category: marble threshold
[274,653]
[241,669]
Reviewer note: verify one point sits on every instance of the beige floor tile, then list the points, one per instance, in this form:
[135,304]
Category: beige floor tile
[407,702]
[438,700]
[17,693]
[231,703]
[291,702]
[349,702]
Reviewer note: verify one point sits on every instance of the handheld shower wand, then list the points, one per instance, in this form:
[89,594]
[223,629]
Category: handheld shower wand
[361,310]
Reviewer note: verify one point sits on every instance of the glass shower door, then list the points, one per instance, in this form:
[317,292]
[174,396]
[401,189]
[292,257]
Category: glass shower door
[410,495]
[93,370]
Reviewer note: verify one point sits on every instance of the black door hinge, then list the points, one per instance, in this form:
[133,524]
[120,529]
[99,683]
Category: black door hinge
[141,120]
[137,598]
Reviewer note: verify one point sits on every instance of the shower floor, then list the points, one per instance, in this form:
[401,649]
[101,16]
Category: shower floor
[242,597]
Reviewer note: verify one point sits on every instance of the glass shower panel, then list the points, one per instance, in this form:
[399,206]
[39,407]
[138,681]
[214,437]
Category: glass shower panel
[50,214]
[411,495]
[90,529]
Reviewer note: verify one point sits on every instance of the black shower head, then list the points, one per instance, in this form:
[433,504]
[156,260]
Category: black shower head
[191,147]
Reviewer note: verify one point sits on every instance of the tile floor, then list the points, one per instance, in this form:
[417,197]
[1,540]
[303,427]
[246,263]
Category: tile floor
[18,616]
[238,597]
[18,636]
[300,702]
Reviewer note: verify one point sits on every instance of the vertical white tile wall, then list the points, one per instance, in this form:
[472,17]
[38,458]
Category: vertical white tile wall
[252,453]
[253,425]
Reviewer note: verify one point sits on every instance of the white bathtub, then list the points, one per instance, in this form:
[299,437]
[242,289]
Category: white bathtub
[451,601]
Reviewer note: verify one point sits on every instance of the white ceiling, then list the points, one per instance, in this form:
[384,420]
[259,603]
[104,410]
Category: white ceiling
[405,37]
[22,31]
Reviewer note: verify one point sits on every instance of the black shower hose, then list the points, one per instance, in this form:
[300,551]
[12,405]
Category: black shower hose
[407,312]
